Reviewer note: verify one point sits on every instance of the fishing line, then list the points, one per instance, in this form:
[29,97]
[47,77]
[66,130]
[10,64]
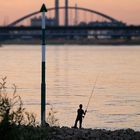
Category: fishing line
[92,91]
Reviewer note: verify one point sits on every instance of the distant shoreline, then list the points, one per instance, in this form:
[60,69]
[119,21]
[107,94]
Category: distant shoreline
[74,42]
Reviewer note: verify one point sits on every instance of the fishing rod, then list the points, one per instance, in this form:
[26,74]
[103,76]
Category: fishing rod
[92,91]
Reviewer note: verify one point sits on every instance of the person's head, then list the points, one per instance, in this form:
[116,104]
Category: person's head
[80,106]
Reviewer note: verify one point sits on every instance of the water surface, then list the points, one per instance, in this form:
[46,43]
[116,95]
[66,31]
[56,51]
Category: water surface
[71,73]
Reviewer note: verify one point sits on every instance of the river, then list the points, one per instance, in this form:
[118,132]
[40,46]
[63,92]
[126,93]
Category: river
[71,73]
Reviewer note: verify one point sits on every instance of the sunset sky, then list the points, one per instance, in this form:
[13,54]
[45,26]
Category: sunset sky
[124,10]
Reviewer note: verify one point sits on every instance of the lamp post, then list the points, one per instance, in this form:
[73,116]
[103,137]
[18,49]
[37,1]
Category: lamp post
[43,10]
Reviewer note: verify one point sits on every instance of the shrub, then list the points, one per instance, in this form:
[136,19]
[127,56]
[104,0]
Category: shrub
[15,121]
[51,119]
[12,113]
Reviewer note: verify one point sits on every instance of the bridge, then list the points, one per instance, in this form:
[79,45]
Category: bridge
[69,22]
[103,17]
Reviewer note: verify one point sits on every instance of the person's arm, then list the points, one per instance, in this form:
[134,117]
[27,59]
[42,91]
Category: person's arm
[84,112]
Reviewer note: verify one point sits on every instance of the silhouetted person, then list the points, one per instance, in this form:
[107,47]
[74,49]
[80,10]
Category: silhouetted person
[80,115]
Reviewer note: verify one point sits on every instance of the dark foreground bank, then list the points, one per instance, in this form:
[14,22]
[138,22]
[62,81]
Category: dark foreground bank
[64,133]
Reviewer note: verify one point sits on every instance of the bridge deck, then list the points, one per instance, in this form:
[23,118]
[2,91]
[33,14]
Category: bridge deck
[3,28]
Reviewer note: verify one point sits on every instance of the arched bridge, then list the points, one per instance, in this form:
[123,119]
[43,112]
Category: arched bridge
[75,9]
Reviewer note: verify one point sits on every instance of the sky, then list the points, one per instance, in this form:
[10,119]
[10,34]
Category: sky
[123,10]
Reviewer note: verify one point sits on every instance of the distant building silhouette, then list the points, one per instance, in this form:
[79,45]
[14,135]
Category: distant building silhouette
[36,21]
[102,24]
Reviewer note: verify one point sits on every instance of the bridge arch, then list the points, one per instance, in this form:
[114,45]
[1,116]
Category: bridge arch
[73,8]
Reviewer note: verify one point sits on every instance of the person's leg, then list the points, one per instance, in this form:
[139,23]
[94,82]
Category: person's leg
[80,123]
[75,125]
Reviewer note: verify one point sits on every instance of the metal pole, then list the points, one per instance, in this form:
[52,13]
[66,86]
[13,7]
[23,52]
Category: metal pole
[43,83]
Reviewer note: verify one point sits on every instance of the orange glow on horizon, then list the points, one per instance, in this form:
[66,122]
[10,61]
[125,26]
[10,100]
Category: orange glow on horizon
[126,10]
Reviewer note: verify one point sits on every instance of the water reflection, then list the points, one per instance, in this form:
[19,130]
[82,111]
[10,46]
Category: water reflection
[71,72]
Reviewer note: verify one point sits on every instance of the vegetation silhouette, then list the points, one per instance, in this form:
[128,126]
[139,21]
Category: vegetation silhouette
[51,119]
[15,121]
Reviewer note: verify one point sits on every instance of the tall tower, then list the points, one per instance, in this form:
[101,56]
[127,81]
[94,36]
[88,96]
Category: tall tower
[66,13]
[76,14]
[57,12]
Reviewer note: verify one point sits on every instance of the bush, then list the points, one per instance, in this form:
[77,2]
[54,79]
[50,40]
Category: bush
[12,112]
[52,120]
[15,122]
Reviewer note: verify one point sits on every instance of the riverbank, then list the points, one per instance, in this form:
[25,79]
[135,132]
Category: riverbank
[75,42]
[65,133]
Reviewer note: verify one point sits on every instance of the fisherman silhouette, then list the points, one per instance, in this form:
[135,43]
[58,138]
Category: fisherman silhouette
[80,115]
